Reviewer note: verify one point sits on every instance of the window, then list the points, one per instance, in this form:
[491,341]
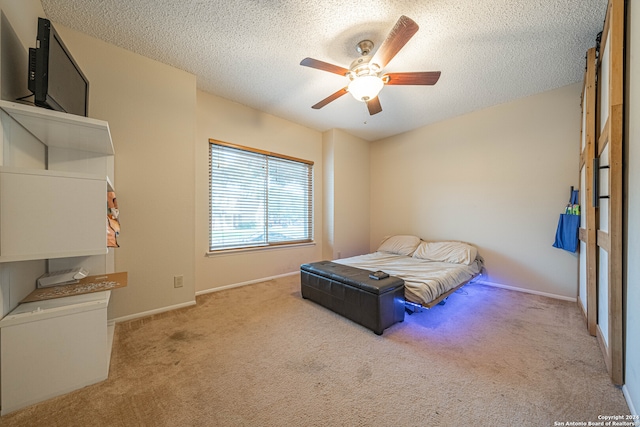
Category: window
[258,198]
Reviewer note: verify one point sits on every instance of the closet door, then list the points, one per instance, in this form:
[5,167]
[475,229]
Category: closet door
[587,291]
[609,191]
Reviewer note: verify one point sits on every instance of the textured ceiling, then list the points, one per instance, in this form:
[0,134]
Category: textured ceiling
[249,51]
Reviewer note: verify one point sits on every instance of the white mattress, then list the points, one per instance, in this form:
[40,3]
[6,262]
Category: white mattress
[424,280]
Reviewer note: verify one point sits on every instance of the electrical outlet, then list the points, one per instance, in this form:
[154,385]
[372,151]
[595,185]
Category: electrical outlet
[177,281]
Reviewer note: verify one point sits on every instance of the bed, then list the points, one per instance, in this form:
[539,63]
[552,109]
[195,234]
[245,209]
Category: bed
[431,270]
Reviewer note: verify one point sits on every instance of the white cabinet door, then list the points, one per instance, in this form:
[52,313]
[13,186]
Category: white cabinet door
[47,214]
[51,347]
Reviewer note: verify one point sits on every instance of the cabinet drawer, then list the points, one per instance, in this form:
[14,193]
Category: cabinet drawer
[47,214]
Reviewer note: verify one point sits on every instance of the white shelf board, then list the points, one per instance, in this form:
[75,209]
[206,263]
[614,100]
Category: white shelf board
[53,173]
[52,255]
[63,130]
[40,310]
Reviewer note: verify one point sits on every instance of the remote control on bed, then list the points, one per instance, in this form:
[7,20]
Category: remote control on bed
[377,275]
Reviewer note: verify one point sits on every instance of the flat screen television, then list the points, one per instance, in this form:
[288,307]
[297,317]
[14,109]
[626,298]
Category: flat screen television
[55,79]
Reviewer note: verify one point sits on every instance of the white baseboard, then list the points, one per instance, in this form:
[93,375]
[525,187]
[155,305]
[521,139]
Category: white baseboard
[627,397]
[152,312]
[190,303]
[264,279]
[527,291]
[250,282]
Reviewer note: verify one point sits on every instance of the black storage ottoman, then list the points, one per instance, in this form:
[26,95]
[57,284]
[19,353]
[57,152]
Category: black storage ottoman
[350,292]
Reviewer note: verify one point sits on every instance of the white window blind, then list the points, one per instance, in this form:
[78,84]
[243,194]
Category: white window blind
[258,198]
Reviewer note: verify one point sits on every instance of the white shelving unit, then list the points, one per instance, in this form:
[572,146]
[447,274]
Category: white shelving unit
[58,211]
[55,170]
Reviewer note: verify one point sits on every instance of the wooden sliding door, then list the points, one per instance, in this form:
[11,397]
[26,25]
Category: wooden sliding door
[587,290]
[608,191]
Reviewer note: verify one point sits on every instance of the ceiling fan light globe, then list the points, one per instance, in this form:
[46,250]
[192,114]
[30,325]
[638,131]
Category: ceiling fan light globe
[365,88]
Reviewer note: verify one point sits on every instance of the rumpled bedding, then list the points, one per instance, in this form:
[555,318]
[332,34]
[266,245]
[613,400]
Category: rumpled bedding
[424,280]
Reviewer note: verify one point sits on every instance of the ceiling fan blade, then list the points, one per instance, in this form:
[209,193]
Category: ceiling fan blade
[404,29]
[374,106]
[417,78]
[324,66]
[330,98]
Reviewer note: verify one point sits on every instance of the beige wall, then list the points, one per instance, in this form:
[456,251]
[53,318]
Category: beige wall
[23,16]
[497,178]
[231,122]
[347,192]
[19,27]
[150,108]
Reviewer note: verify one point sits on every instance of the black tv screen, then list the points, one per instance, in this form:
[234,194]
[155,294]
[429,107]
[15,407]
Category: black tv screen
[55,78]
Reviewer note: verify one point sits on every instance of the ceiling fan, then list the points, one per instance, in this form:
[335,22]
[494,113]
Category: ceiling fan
[364,74]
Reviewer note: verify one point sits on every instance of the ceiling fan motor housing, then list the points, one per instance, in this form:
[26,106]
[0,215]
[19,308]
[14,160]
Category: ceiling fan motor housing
[364,83]
[363,67]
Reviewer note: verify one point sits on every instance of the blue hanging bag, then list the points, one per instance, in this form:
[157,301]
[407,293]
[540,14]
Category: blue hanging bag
[568,226]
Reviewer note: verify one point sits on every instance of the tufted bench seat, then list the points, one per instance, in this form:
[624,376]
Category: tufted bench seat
[350,292]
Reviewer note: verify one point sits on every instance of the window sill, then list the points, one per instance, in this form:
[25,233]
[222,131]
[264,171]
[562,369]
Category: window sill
[258,249]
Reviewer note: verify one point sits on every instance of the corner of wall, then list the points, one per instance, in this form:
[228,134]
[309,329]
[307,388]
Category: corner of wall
[13,62]
[328,195]
[351,195]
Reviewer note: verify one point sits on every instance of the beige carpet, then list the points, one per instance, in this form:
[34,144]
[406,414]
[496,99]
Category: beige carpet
[260,355]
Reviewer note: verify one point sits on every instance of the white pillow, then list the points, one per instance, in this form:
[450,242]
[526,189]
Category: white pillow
[453,252]
[400,245]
